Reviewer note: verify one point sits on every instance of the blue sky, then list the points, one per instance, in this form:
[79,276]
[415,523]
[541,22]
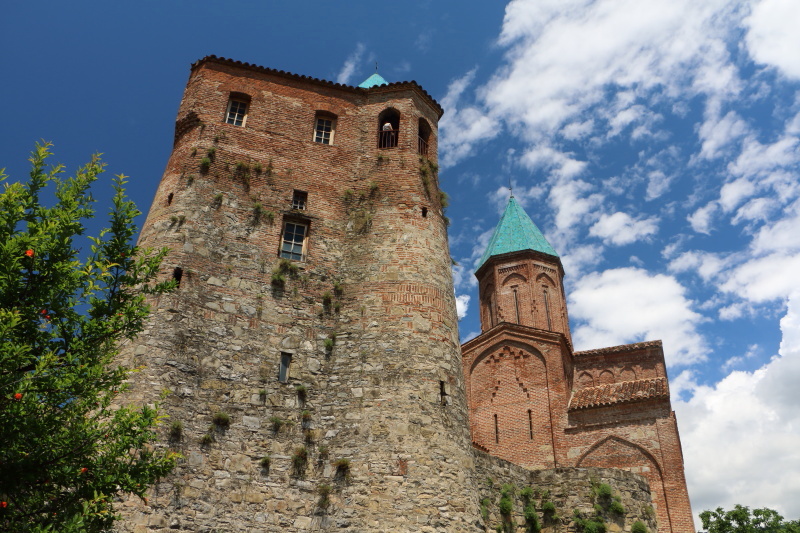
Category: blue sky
[654,143]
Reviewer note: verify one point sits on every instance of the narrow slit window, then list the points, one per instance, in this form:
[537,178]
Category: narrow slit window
[283,371]
[516,304]
[177,275]
[443,392]
[170,196]
[496,431]
[530,423]
[299,200]
[293,242]
[424,212]
[547,309]
[236,113]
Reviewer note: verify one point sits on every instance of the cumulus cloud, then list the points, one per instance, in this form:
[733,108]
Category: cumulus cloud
[740,435]
[772,35]
[625,305]
[620,228]
[462,305]
[347,71]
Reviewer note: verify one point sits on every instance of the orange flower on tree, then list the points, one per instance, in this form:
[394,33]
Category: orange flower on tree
[18,396]
[29,252]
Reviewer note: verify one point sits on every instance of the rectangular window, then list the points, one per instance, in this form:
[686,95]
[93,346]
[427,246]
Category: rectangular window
[530,423]
[323,131]
[236,113]
[294,241]
[299,199]
[283,372]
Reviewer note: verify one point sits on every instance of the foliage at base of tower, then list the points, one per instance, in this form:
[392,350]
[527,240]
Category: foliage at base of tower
[741,520]
[67,449]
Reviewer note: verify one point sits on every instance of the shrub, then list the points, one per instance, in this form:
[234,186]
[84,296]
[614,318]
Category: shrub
[506,506]
[531,519]
[485,509]
[206,439]
[326,299]
[329,344]
[221,420]
[638,527]
[265,462]
[258,168]
[205,164]
[305,415]
[176,430]
[212,153]
[337,288]
[278,280]
[299,461]
[603,490]
[444,199]
[277,423]
[526,493]
[324,490]
[301,391]
[616,508]
[342,468]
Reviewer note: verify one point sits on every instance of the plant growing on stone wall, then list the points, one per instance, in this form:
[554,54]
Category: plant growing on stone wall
[444,199]
[278,280]
[299,461]
[338,290]
[326,301]
[310,435]
[206,439]
[269,169]
[301,391]
[262,395]
[190,179]
[194,151]
[221,420]
[638,527]
[265,462]
[205,164]
[305,415]
[373,187]
[485,503]
[592,524]
[342,467]
[322,451]
[257,168]
[176,431]
[211,153]
[277,423]
[348,195]
[324,490]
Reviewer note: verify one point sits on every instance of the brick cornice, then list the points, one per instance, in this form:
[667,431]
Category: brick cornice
[391,87]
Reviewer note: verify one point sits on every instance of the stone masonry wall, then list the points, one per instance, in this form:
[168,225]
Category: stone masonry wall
[379,439]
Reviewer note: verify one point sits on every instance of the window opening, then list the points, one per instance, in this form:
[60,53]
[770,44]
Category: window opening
[496,430]
[423,137]
[388,128]
[170,196]
[299,199]
[177,275]
[530,423]
[516,304]
[443,392]
[424,212]
[283,371]
[293,241]
[236,112]
[547,309]
[323,130]
[491,310]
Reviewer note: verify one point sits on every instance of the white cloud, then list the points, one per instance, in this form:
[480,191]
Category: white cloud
[701,219]
[462,305]
[627,305]
[772,36]
[707,265]
[573,202]
[734,192]
[620,228]
[717,133]
[349,68]
[740,435]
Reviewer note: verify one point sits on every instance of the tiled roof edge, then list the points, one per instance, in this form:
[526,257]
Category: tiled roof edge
[620,393]
[621,348]
[394,85]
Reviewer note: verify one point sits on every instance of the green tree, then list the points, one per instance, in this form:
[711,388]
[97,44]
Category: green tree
[742,520]
[68,449]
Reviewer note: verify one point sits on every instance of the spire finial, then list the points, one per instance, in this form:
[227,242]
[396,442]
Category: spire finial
[510,188]
[376,66]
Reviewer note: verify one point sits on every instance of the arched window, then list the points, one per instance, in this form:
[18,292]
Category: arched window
[424,135]
[388,128]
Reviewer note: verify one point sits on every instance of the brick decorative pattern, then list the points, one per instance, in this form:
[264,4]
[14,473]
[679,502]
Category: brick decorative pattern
[623,392]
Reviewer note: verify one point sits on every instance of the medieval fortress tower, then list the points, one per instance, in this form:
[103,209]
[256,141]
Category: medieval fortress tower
[309,361]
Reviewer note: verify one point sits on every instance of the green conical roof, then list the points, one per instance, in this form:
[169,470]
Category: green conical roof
[514,233]
[372,81]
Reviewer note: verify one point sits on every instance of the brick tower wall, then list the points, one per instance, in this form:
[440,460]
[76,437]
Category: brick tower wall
[388,396]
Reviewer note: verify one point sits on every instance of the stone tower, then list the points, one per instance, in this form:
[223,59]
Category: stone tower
[536,403]
[309,361]
[315,323]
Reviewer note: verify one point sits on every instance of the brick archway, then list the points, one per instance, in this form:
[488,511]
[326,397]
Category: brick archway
[616,452]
